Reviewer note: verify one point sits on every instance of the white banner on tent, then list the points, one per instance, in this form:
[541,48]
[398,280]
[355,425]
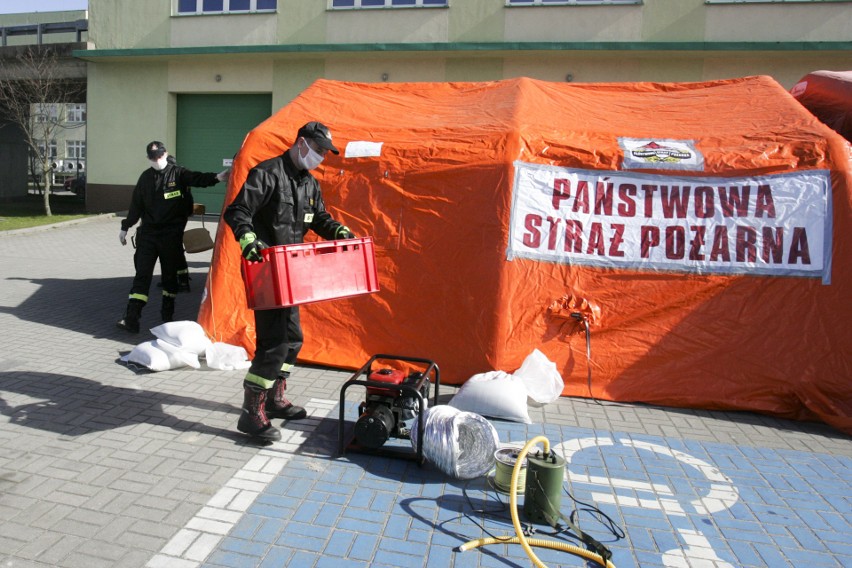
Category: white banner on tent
[777,225]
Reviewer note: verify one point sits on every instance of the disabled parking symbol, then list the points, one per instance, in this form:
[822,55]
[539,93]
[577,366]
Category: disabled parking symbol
[716,492]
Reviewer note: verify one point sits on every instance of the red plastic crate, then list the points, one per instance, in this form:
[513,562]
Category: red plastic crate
[309,272]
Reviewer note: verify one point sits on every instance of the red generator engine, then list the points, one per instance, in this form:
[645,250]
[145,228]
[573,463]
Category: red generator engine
[386,411]
[394,404]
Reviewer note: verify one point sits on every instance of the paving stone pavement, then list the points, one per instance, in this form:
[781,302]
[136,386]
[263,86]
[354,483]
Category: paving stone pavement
[101,466]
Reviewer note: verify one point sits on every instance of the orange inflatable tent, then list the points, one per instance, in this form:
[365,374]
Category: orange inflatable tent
[699,230]
[828,95]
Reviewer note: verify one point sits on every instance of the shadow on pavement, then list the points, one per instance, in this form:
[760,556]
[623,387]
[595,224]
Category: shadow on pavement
[73,406]
[471,513]
[92,306]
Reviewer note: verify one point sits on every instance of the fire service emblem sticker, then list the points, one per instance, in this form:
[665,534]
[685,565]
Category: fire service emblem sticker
[660,154]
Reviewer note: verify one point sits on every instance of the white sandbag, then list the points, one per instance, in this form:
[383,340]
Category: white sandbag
[226,357]
[542,379]
[496,394]
[461,444]
[152,355]
[189,358]
[185,335]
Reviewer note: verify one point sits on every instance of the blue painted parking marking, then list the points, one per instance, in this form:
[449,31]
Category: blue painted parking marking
[680,503]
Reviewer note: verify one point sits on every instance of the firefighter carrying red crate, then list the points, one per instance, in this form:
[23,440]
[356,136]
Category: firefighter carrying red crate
[278,203]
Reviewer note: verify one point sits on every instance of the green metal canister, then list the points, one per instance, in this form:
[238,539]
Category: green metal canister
[545,478]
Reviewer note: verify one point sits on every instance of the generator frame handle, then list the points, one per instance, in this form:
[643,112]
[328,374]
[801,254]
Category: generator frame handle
[413,390]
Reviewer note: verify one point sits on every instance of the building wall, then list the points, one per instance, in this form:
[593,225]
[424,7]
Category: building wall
[61,131]
[134,106]
[129,25]
[141,56]
[812,21]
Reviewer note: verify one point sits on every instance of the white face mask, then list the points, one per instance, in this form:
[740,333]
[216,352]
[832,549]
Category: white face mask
[311,159]
[160,164]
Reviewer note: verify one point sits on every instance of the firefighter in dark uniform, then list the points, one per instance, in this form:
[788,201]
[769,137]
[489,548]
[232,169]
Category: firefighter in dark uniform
[279,202]
[163,201]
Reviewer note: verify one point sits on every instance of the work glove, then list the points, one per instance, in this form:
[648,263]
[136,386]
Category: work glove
[224,175]
[251,247]
[343,232]
[122,237]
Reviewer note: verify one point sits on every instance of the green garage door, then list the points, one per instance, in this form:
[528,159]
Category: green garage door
[210,130]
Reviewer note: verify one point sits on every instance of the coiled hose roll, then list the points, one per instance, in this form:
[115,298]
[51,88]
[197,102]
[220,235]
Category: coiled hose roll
[459,443]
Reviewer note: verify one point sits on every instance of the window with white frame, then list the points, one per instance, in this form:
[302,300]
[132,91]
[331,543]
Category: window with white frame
[365,4]
[45,112]
[191,7]
[49,150]
[76,113]
[569,2]
[75,149]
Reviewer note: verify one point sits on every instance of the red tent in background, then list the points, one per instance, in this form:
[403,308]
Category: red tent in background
[702,229]
[828,95]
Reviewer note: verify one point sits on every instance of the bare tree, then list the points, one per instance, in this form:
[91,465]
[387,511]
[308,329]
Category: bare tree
[33,87]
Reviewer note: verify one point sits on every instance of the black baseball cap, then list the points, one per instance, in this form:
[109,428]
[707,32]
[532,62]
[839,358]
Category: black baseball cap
[319,133]
[155,150]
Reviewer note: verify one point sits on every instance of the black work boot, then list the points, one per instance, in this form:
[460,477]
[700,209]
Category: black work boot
[253,420]
[277,405]
[167,311]
[130,321]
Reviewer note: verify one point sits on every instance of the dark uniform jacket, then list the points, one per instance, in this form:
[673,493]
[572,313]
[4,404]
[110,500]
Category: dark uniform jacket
[162,199]
[279,203]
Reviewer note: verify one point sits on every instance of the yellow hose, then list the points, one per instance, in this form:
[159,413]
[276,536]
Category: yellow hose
[554,544]
[520,538]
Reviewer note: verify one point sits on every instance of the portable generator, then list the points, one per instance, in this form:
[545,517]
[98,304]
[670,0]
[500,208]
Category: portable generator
[395,402]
